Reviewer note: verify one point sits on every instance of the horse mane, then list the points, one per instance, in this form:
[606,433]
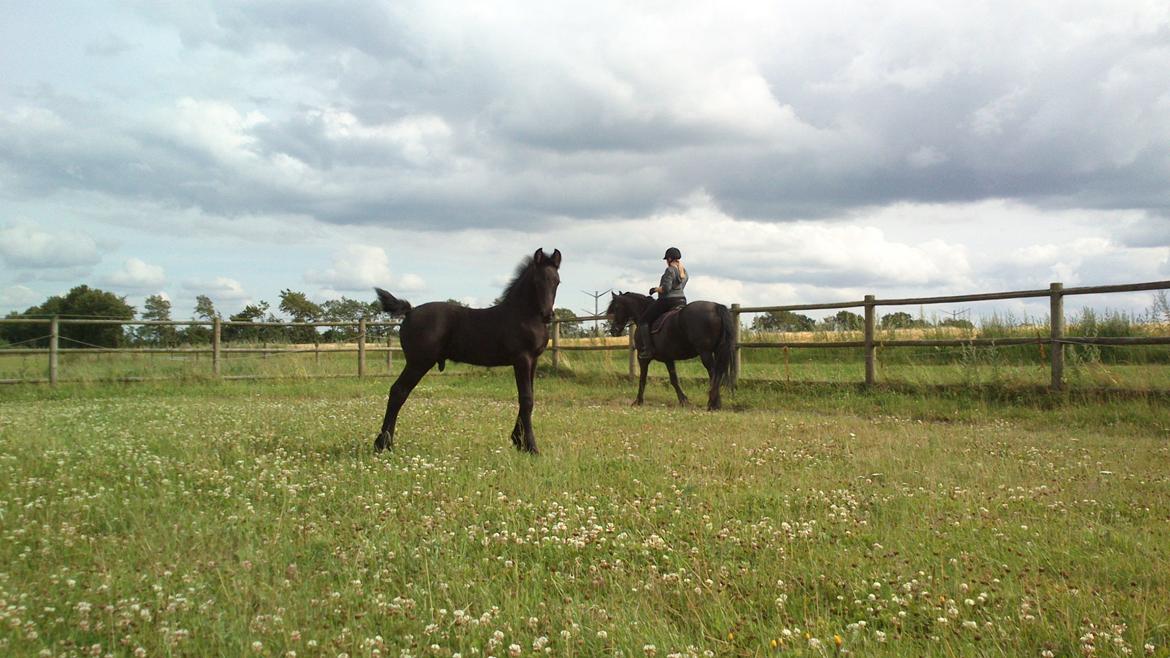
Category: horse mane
[513,289]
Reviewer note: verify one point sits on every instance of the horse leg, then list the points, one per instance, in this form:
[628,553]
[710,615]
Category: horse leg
[713,399]
[518,428]
[643,366]
[708,359]
[682,397]
[524,376]
[398,393]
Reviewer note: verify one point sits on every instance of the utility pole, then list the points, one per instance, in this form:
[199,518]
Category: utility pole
[596,295]
[955,315]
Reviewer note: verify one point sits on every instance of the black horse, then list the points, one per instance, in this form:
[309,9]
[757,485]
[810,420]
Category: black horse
[702,329]
[511,333]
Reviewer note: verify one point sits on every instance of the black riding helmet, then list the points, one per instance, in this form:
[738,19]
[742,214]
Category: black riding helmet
[673,254]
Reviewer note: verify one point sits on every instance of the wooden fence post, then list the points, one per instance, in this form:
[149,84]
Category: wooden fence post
[870,351]
[389,353]
[736,362]
[54,333]
[1056,322]
[633,349]
[556,344]
[215,334]
[361,347]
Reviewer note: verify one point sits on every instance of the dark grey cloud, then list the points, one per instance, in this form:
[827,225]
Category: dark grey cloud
[432,116]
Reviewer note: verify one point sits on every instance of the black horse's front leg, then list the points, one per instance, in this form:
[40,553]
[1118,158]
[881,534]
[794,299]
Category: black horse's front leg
[398,393]
[643,366]
[525,370]
[682,397]
[518,428]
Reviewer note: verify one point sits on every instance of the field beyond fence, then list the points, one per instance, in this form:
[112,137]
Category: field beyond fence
[1089,350]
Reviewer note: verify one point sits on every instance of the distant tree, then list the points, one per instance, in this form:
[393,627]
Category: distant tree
[844,321]
[783,321]
[465,305]
[345,309]
[205,309]
[157,308]
[900,320]
[300,309]
[569,328]
[81,302]
[1160,311]
[298,306]
[257,312]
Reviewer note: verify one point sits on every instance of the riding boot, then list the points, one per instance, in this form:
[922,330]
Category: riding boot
[647,347]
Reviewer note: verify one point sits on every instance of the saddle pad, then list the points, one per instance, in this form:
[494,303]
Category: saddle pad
[661,321]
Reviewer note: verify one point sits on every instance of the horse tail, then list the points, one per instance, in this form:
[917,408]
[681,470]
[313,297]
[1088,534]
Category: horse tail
[392,304]
[725,349]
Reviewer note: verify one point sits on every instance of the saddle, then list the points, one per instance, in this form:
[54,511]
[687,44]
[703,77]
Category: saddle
[658,324]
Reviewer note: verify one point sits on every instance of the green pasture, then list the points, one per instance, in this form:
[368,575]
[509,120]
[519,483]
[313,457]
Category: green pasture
[1136,368]
[206,518]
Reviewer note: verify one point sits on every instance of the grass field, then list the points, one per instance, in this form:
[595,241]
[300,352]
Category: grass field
[817,519]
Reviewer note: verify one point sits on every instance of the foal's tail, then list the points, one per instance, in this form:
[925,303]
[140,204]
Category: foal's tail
[392,304]
[725,350]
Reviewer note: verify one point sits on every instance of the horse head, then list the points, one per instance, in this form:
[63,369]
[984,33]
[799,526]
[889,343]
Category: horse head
[545,277]
[623,308]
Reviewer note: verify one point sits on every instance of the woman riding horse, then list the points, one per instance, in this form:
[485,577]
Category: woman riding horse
[670,294]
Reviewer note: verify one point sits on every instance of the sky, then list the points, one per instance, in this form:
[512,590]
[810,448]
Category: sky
[795,152]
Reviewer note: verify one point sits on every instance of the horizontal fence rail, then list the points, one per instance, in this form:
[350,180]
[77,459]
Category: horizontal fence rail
[216,349]
[870,341]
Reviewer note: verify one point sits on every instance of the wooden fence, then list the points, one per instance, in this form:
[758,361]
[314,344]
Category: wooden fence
[216,350]
[1055,341]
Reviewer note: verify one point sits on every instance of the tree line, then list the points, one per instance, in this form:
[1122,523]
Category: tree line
[85,302]
[847,321]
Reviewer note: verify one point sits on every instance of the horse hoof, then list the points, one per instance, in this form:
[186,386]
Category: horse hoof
[384,440]
[636,403]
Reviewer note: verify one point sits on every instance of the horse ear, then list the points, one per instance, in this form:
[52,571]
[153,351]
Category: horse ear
[613,294]
[556,258]
[538,257]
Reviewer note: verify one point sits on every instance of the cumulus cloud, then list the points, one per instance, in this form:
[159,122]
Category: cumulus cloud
[137,274]
[362,267]
[218,288]
[26,246]
[18,296]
